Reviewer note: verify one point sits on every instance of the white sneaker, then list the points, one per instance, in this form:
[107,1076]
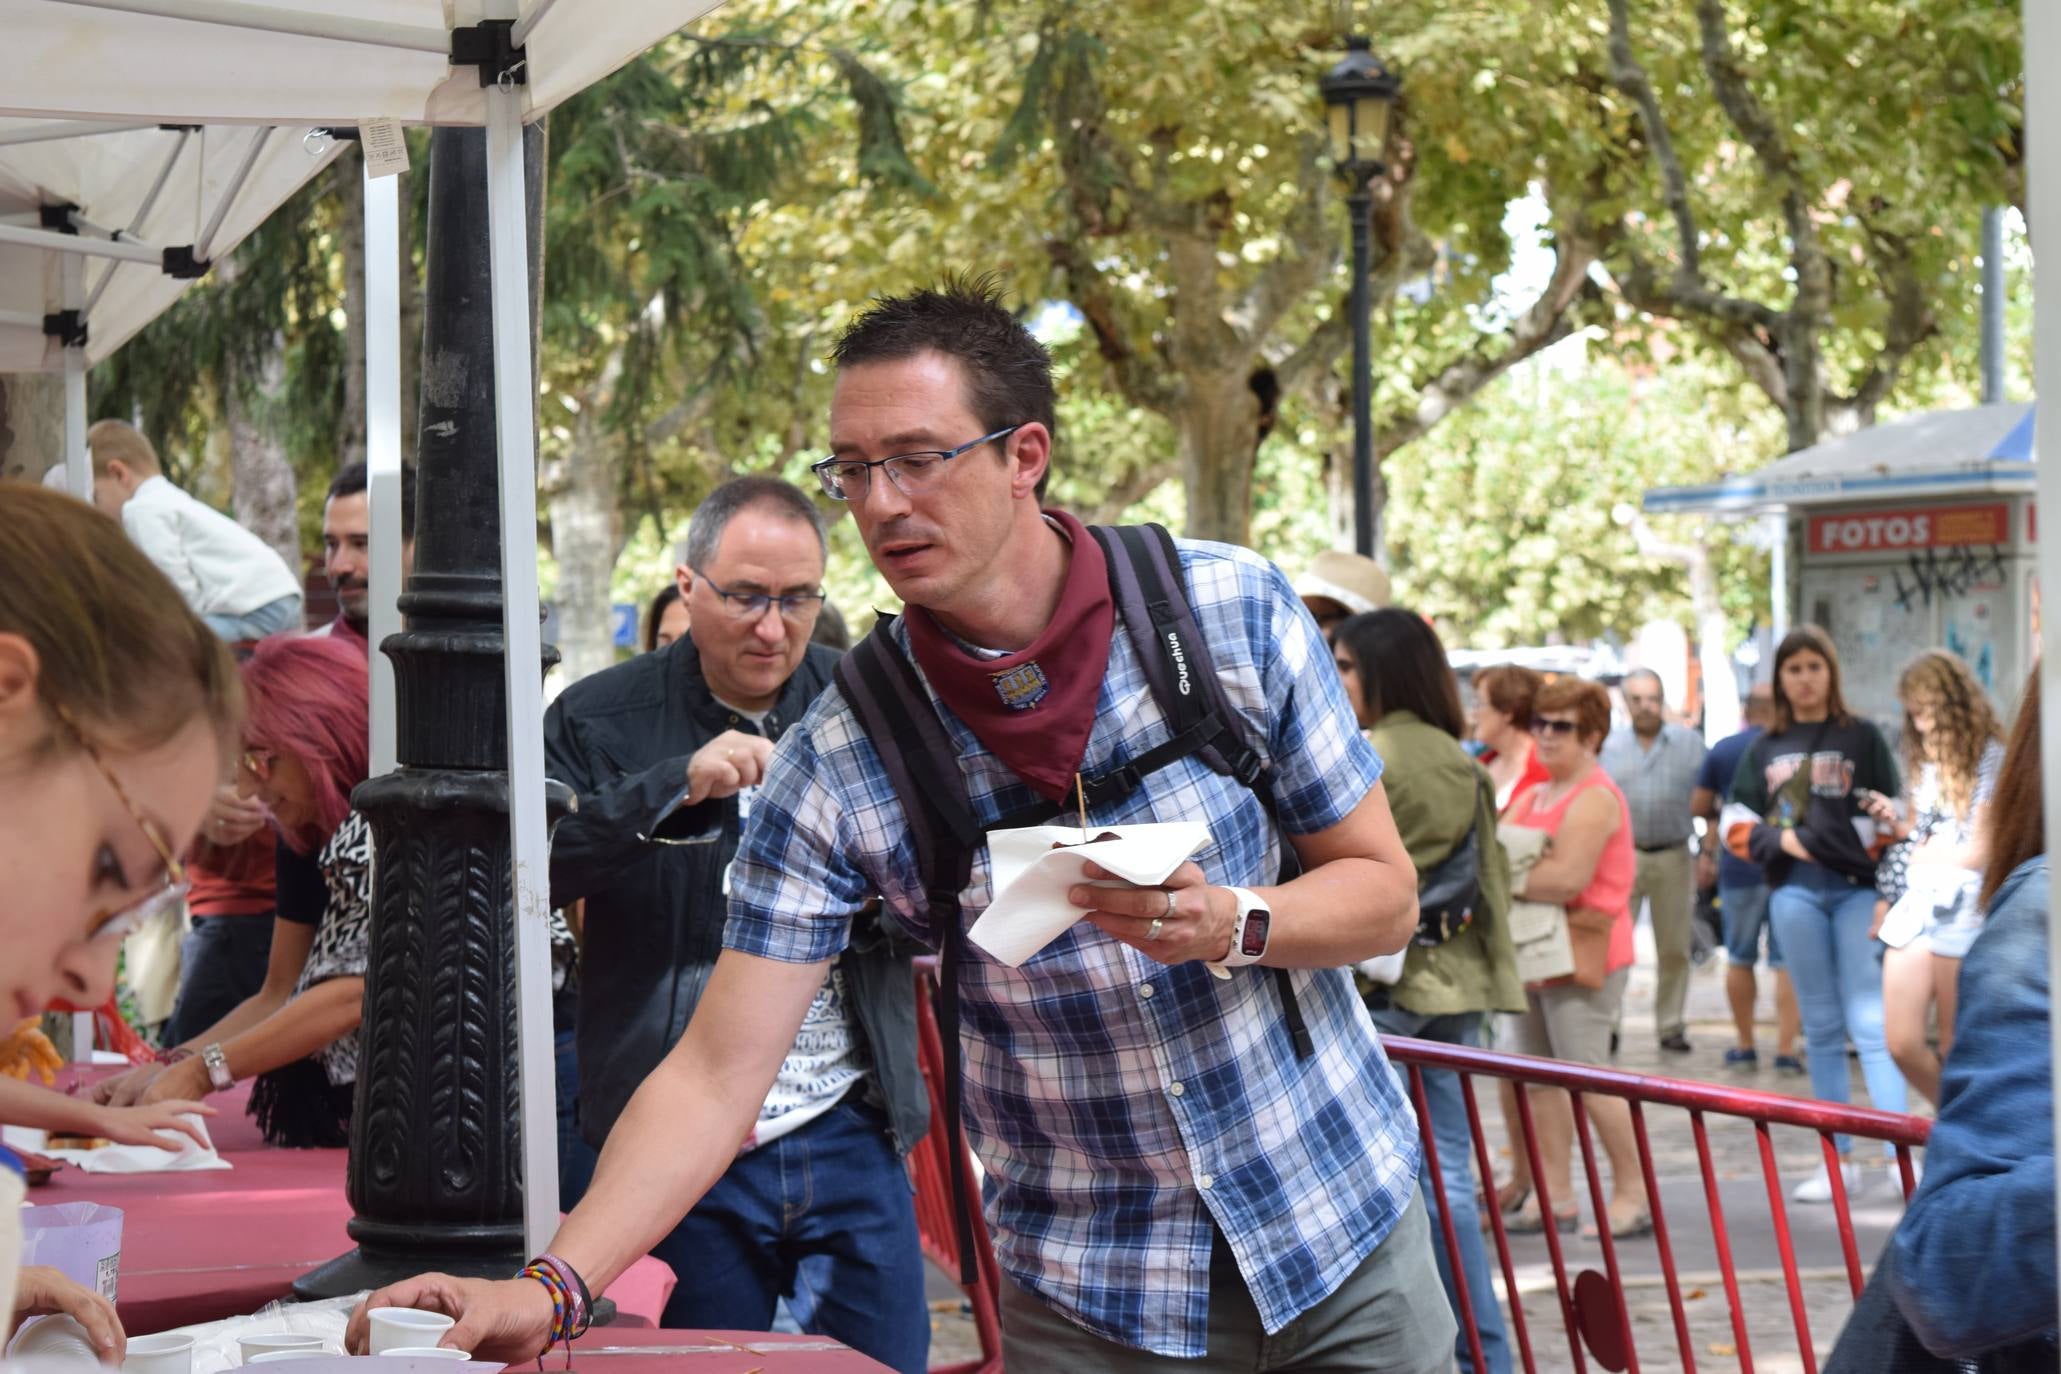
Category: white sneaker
[1818,1187]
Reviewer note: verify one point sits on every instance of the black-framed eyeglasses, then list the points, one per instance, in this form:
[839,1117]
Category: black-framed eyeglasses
[1540,725]
[850,478]
[796,606]
[118,925]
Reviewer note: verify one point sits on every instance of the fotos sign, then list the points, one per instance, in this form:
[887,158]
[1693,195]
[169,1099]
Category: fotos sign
[1902,531]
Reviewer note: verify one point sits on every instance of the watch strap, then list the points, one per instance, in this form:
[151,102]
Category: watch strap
[217,1064]
[1248,902]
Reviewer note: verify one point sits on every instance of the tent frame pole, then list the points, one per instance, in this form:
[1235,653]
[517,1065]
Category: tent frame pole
[383,446]
[124,250]
[515,425]
[78,467]
[204,245]
[157,189]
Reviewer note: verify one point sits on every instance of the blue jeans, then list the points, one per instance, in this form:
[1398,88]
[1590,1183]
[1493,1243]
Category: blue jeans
[1744,911]
[828,1206]
[221,962]
[268,619]
[576,1158]
[1836,968]
[1456,1169]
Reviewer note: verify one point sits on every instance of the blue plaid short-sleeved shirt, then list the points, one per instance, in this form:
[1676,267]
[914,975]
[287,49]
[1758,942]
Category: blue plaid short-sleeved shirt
[1118,1105]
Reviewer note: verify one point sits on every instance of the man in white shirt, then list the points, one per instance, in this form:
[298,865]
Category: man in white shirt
[231,578]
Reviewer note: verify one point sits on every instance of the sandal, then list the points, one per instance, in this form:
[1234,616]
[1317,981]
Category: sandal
[1526,1221]
[1639,1224]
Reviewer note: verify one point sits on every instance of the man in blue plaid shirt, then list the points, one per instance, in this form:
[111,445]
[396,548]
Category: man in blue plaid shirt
[1170,1184]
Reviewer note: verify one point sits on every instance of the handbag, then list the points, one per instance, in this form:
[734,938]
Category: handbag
[1448,895]
[1588,934]
[1538,930]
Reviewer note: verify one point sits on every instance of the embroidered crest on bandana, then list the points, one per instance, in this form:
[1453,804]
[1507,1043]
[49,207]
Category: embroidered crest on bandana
[1022,687]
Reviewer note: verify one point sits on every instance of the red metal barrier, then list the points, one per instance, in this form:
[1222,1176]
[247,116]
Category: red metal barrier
[1594,1314]
[930,1169]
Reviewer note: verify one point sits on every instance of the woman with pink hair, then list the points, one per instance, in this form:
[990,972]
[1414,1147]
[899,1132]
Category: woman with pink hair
[305,746]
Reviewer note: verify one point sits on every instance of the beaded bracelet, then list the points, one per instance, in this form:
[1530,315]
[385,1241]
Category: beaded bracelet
[582,1314]
[572,1307]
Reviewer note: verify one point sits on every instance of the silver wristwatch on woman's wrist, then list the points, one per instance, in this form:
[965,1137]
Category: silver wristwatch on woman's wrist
[217,1065]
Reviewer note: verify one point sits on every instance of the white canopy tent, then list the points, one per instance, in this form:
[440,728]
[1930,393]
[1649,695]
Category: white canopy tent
[103,225]
[496,63]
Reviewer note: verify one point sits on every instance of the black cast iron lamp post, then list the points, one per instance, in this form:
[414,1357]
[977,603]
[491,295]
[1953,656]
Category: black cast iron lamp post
[1357,94]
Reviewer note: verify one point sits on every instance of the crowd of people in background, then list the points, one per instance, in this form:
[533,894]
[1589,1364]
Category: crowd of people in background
[1889,890]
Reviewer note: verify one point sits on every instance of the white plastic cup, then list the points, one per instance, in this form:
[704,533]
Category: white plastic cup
[274,1356]
[167,1354]
[267,1342]
[396,1327]
[54,1340]
[425,1352]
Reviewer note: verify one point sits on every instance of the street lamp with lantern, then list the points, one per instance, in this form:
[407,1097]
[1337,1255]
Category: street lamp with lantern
[1358,93]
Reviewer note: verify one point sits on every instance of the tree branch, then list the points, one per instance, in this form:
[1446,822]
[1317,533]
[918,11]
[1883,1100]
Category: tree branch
[1630,77]
[1542,325]
[1091,291]
[1131,490]
[1310,251]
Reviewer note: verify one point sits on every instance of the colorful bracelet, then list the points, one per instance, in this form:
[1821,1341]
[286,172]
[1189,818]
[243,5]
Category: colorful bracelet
[572,1307]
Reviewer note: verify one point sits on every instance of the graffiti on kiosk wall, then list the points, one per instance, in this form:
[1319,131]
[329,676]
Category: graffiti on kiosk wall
[1946,576]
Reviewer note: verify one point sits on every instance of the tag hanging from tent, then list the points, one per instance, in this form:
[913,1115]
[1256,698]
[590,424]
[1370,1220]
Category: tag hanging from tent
[386,151]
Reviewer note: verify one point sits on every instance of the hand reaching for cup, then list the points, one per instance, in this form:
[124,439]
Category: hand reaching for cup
[43,1292]
[507,1320]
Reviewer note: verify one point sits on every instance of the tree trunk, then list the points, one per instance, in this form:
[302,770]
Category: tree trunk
[586,536]
[350,243]
[1216,422]
[31,424]
[261,478]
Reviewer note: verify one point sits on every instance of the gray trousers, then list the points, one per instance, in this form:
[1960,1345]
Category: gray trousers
[1390,1315]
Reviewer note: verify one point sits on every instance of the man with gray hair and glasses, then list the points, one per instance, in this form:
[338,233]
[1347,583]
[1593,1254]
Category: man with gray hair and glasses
[666,752]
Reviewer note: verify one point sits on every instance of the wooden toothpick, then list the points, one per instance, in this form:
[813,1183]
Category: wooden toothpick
[1080,793]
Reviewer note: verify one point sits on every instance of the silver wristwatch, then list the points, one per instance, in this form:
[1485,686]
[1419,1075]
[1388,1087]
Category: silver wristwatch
[217,1065]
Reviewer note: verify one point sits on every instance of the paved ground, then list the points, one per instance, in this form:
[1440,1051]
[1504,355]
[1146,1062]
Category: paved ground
[1713,1344]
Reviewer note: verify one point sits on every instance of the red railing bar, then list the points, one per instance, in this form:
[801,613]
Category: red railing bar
[1427,1137]
[1550,1226]
[1660,1241]
[1785,1246]
[1724,1243]
[1842,1213]
[1903,1166]
[1604,1238]
[1487,1174]
[1773,1108]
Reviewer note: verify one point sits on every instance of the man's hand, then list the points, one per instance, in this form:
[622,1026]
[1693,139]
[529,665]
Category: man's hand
[1183,918]
[127,1089]
[726,765]
[508,1320]
[141,1125]
[232,817]
[45,1292]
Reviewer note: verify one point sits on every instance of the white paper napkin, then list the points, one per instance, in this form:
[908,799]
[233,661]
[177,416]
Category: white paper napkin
[1031,878]
[180,1155]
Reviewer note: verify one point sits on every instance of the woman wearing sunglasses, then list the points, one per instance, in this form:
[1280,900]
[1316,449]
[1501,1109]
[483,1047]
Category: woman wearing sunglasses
[305,746]
[1587,868]
[118,710]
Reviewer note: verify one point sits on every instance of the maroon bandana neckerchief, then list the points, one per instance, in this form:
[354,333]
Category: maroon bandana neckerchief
[1033,709]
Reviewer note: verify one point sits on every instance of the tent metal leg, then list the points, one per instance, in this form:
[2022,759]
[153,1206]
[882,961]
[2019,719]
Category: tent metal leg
[383,446]
[78,468]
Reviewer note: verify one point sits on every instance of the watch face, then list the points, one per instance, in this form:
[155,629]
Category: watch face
[1252,941]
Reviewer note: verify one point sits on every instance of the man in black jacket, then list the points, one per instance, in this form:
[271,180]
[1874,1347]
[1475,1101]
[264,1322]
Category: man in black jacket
[665,752]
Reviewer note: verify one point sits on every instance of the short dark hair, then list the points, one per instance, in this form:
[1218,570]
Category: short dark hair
[1509,688]
[1403,667]
[1008,372]
[719,507]
[351,479]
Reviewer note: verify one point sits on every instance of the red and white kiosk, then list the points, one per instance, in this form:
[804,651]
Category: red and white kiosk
[1912,535]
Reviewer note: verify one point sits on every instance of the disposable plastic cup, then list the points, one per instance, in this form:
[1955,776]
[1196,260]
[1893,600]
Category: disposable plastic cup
[166,1354]
[265,1342]
[276,1356]
[395,1327]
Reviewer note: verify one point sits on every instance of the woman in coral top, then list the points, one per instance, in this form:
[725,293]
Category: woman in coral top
[1587,868]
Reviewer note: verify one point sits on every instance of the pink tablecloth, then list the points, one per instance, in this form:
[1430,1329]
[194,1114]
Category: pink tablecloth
[202,1246]
[714,1352]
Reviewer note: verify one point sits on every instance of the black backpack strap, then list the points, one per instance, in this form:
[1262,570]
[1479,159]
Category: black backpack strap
[895,712]
[1152,601]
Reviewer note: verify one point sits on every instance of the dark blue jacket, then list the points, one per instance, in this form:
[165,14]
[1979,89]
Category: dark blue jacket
[621,740]
[1974,1258]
